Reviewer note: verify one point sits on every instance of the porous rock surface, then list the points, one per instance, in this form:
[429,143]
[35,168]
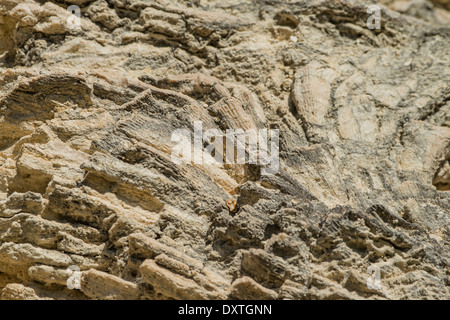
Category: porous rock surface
[87,179]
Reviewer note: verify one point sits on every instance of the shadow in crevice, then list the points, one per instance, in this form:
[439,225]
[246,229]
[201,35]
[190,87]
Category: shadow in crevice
[441,179]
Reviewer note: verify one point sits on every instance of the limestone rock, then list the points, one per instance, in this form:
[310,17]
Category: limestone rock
[90,191]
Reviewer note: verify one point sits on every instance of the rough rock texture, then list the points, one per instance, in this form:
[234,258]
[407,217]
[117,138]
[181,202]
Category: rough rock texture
[87,179]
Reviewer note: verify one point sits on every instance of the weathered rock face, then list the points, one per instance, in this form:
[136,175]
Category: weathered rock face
[89,189]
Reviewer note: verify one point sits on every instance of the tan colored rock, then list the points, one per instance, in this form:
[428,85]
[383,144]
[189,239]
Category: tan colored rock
[311,93]
[246,288]
[49,275]
[17,291]
[175,286]
[87,123]
[100,285]
[146,247]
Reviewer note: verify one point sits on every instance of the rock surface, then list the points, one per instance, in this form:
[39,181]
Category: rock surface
[87,179]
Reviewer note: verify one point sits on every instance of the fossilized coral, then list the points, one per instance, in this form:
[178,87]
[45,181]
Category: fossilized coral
[87,179]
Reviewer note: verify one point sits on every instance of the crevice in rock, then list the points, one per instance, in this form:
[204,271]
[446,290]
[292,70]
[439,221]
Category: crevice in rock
[441,179]
[435,108]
